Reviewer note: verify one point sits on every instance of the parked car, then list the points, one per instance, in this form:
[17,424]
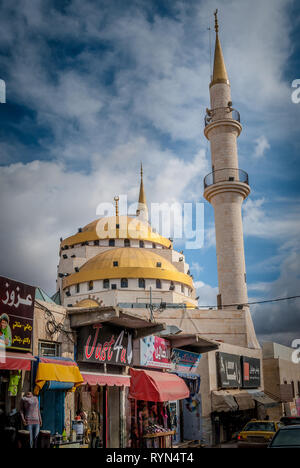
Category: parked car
[257,434]
[290,420]
[286,437]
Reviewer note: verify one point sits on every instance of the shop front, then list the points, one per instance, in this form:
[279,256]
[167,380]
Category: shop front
[235,402]
[54,379]
[152,421]
[16,327]
[104,353]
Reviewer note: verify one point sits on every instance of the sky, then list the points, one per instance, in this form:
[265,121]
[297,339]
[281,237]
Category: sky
[96,87]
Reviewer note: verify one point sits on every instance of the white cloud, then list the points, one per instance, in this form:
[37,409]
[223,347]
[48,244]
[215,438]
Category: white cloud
[261,146]
[207,294]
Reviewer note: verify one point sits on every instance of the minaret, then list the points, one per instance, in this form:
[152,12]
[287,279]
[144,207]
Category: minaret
[142,209]
[226,187]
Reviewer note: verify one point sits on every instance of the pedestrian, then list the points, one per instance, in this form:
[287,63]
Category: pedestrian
[31,416]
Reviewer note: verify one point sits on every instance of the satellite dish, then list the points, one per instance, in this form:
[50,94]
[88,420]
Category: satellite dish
[2,92]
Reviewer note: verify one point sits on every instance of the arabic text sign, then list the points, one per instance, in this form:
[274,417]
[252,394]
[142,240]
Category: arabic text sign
[251,372]
[16,311]
[229,370]
[155,352]
[184,361]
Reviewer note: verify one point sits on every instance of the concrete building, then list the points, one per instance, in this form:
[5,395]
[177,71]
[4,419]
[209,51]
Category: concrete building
[282,379]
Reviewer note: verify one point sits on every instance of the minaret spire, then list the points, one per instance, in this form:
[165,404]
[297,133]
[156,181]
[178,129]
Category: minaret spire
[219,72]
[142,210]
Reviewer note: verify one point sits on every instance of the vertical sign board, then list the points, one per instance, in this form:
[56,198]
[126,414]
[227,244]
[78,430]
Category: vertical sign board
[105,345]
[251,372]
[229,370]
[16,314]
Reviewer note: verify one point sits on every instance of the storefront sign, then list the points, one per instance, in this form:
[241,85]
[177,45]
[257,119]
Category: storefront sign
[16,314]
[229,370]
[104,344]
[155,352]
[184,361]
[251,372]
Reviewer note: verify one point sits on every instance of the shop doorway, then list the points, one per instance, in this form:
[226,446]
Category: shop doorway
[52,407]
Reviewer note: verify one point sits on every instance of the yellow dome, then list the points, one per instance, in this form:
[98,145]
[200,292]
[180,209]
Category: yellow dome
[88,304]
[132,263]
[106,228]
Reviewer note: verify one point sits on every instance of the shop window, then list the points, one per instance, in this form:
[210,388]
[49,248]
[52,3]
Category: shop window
[49,349]
[91,285]
[126,243]
[106,283]
[158,284]
[142,283]
[111,242]
[124,283]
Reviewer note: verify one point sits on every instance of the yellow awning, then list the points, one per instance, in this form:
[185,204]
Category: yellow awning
[60,371]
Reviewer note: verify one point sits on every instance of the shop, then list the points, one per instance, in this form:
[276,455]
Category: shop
[55,378]
[152,422]
[103,354]
[237,400]
[178,411]
[16,326]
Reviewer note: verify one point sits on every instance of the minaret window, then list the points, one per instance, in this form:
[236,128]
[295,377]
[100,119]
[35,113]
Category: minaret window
[158,284]
[142,244]
[111,242]
[142,283]
[91,285]
[124,283]
[126,243]
[115,264]
[158,264]
[106,283]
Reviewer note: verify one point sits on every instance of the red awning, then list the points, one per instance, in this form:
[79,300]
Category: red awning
[16,361]
[155,386]
[105,379]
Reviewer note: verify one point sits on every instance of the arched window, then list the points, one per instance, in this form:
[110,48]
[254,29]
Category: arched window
[153,245]
[111,242]
[77,288]
[142,244]
[158,284]
[172,286]
[124,283]
[106,283]
[142,283]
[126,243]
[91,285]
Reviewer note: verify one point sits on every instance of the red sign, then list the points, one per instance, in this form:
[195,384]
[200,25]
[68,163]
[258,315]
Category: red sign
[155,352]
[16,314]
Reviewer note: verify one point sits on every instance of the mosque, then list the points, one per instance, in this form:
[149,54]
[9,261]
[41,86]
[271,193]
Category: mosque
[120,259]
[121,264]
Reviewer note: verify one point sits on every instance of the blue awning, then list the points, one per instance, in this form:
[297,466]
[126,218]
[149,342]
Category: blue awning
[55,385]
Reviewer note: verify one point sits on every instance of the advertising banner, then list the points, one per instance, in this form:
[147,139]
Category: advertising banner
[105,345]
[184,361]
[155,352]
[251,372]
[16,315]
[229,370]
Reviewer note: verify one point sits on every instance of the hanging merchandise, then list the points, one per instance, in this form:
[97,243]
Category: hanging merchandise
[14,383]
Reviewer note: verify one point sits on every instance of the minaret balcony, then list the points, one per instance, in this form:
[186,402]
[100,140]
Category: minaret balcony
[220,113]
[226,175]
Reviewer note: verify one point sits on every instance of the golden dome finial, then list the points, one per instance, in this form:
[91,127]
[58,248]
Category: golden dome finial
[117,204]
[219,73]
[142,203]
[216,21]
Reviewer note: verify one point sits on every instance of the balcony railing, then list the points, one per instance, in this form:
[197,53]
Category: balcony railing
[226,175]
[209,117]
